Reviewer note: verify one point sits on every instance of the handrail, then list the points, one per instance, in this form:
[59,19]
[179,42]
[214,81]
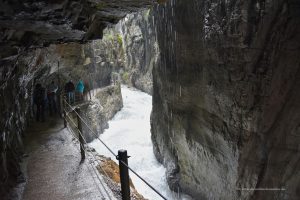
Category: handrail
[110,150]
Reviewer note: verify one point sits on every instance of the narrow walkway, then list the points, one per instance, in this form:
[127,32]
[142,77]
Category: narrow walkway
[53,166]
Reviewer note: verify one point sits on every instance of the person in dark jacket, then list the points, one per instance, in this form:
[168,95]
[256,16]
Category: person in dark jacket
[52,89]
[70,91]
[39,99]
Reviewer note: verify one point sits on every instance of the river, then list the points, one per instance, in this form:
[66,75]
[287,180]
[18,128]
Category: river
[130,130]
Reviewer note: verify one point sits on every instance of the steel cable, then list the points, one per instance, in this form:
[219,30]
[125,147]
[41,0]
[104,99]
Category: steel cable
[148,184]
[111,151]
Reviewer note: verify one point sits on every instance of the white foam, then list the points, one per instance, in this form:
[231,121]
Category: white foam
[130,130]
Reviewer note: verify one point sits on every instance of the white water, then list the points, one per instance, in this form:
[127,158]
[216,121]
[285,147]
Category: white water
[130,130]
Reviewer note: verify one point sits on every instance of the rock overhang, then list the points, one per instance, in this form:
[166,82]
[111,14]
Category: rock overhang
[28,23]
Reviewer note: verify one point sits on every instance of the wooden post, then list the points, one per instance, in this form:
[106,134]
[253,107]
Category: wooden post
[90,94]
[64,111]
[80,133]
[65,119]
[124,174]
[90,86]
[59,97]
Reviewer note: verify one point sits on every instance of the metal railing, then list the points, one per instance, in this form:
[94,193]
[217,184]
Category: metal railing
[122,156]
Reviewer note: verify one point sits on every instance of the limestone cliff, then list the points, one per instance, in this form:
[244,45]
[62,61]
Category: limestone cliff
[129,50]
[226,101]
[97,112]
[140,49]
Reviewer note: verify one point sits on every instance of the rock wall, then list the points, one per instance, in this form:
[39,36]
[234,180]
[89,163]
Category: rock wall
[108,55]
[128,50]
[141,49]
[15,111]
[78,61]
[97,112]
[26,23]
[226,101]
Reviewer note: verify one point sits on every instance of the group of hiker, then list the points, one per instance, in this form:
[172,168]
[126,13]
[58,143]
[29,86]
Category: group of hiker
[46,97]
[70,91]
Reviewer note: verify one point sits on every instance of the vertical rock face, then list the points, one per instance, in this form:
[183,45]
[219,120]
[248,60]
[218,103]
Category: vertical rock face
[97,112]
[140,49]
[78,61]
[15,94]
[128,49]
[107,56]
[226,100]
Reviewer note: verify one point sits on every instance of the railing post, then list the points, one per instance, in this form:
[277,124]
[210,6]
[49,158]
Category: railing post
[80,133]
[124,174]
[64,111]
[90,94]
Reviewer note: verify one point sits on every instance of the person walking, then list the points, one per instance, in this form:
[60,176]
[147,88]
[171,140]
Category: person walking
[52,89]
[70,89]
[80,89]
[39,99]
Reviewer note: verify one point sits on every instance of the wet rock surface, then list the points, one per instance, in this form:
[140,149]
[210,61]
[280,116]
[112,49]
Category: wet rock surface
[110,169]
[97,112]
[226,98]
[38,23]
[127,52]
[140,49]
[15,111]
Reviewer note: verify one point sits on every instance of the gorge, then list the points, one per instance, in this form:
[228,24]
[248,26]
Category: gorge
[223,75]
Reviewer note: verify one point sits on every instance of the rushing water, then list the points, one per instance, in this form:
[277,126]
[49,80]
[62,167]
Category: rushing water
[130,130]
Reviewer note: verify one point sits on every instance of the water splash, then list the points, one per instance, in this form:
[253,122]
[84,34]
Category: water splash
[130,130]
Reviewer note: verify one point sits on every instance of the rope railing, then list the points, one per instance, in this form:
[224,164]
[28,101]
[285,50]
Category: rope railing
[121,157]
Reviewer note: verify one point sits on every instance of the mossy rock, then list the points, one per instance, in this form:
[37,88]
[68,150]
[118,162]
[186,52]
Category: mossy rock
[100,5]
[120,39]
[125,76]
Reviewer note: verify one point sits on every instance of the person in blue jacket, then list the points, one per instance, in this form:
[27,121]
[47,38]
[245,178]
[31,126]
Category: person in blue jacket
[80,89]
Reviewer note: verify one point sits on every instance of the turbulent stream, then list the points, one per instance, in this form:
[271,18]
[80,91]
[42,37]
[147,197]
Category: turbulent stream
[130,130]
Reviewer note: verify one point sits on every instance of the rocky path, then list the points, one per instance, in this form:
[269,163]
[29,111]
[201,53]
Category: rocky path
[53,166]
